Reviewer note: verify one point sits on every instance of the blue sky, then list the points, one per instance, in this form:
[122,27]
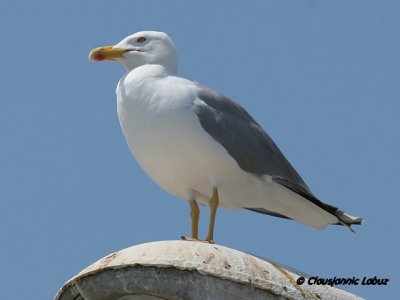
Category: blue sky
[322,77]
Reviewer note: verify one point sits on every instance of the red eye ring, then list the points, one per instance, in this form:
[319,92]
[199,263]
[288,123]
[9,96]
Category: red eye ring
[141,39]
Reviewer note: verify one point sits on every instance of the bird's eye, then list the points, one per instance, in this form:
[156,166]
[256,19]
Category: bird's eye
[141,39]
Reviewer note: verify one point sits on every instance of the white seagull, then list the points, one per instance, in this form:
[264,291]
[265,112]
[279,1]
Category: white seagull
[201,146]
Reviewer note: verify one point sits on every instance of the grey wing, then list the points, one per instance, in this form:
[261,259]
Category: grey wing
[254,151]
[244,139]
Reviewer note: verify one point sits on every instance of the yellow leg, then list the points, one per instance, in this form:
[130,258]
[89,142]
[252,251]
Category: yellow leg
[194,216]
[214,201]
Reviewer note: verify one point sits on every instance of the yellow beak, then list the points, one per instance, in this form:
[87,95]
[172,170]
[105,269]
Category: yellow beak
[107,53]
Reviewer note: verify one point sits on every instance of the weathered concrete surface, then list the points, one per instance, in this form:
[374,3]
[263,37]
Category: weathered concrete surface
[188,270]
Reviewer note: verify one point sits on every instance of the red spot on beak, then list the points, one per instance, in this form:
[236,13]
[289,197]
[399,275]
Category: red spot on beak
[99,56]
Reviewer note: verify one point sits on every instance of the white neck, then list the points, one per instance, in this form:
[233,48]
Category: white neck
[171,67]
[150,71]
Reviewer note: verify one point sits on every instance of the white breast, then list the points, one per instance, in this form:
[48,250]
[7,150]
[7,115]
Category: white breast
[166,137]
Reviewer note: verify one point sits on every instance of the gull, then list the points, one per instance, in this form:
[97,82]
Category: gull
[201,146]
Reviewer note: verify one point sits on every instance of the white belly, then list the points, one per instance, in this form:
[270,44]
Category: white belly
[174,150]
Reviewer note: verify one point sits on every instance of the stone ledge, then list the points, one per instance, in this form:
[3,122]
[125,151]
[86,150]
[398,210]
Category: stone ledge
[188,270]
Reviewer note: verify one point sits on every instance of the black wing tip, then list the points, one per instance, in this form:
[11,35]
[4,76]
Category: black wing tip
[348,224]
[343,218]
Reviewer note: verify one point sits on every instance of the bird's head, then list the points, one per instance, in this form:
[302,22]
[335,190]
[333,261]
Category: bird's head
[141,48]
